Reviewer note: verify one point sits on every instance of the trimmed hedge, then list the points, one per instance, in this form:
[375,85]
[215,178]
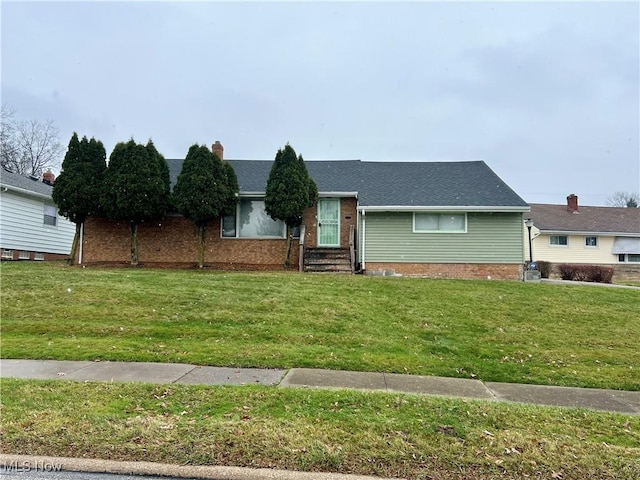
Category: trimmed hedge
[585,273]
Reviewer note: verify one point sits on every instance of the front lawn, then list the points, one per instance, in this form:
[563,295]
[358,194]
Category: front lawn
[409,436]
[491,330]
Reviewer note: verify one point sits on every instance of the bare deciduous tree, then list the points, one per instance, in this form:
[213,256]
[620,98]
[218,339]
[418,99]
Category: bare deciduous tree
[29,147]
[8,150]
[624,199]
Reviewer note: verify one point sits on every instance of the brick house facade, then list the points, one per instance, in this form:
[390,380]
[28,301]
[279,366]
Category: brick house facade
[383,216]
[174,241]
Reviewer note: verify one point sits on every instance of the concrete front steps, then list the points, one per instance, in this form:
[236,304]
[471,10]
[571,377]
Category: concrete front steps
[334,260]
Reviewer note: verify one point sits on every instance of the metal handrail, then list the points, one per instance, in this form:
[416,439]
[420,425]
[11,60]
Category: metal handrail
[352,247]
[301,248]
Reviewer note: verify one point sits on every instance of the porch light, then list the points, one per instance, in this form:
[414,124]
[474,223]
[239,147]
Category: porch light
[529,223]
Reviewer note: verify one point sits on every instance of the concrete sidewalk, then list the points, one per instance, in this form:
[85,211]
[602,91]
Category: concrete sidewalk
[596,399]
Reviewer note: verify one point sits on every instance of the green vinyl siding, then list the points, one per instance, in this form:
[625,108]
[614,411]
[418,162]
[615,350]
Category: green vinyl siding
[490,238]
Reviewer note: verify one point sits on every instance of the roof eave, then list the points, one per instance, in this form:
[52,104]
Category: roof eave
[320,194]
[338,194]
[24,191]
[587,232]
[445,208]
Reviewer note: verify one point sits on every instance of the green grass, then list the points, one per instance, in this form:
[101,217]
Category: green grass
[490,330]
[314,430]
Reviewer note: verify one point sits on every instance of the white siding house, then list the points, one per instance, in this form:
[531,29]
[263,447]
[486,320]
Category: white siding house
[30,227]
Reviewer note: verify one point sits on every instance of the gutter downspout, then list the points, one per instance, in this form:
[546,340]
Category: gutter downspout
[364,235]
[81,242]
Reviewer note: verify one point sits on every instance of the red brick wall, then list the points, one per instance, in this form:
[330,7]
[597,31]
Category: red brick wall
[48,257]
[174,240]
[348,216]
[451,270]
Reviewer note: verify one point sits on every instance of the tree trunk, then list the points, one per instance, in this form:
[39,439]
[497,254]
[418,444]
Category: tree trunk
[74,245]
[202,229]
[134,244]
[287,258]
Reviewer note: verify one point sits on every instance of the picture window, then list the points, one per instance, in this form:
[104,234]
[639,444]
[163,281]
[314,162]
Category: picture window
[252,221]
[426,222]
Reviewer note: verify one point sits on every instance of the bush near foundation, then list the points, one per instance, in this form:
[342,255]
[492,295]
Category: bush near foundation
[585,273]
[544,268]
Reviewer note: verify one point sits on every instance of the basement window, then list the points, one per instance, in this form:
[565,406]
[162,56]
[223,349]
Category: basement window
[7,254]
[24,255]
[38,256]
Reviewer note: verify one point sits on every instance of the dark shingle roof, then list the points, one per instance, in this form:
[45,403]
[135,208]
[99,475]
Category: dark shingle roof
[557,218]
[456,184]
[25,183]
[392,184]
[330,176]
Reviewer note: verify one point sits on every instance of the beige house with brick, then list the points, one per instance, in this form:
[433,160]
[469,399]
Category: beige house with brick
[437,219]
[571,233]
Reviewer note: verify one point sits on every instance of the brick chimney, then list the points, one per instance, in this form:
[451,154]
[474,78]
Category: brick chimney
[572,203]
[48,177]
[218,149]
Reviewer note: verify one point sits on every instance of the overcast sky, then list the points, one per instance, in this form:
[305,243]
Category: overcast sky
[547,94]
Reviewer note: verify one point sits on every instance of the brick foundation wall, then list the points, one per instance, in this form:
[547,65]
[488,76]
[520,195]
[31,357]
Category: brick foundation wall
[622,271]
[48,257]
[450,270]
[626,272]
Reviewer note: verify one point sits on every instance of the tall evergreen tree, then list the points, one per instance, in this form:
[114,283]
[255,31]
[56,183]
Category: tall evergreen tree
[164,172]
[135,188]
[290,189]
[232,188]
[76,191]
[206,189]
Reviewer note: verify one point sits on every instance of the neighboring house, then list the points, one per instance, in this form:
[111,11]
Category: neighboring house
[30,227]
[586,235]
[437,219]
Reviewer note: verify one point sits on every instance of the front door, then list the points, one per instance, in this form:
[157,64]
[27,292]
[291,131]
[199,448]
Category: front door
[329,222]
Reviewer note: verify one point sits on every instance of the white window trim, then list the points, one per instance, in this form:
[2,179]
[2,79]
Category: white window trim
[237,216]
[54,216]
[415,230]
[626,258]
[597,245]
[38,256]
[553,245]
[24,255]
[7,253]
